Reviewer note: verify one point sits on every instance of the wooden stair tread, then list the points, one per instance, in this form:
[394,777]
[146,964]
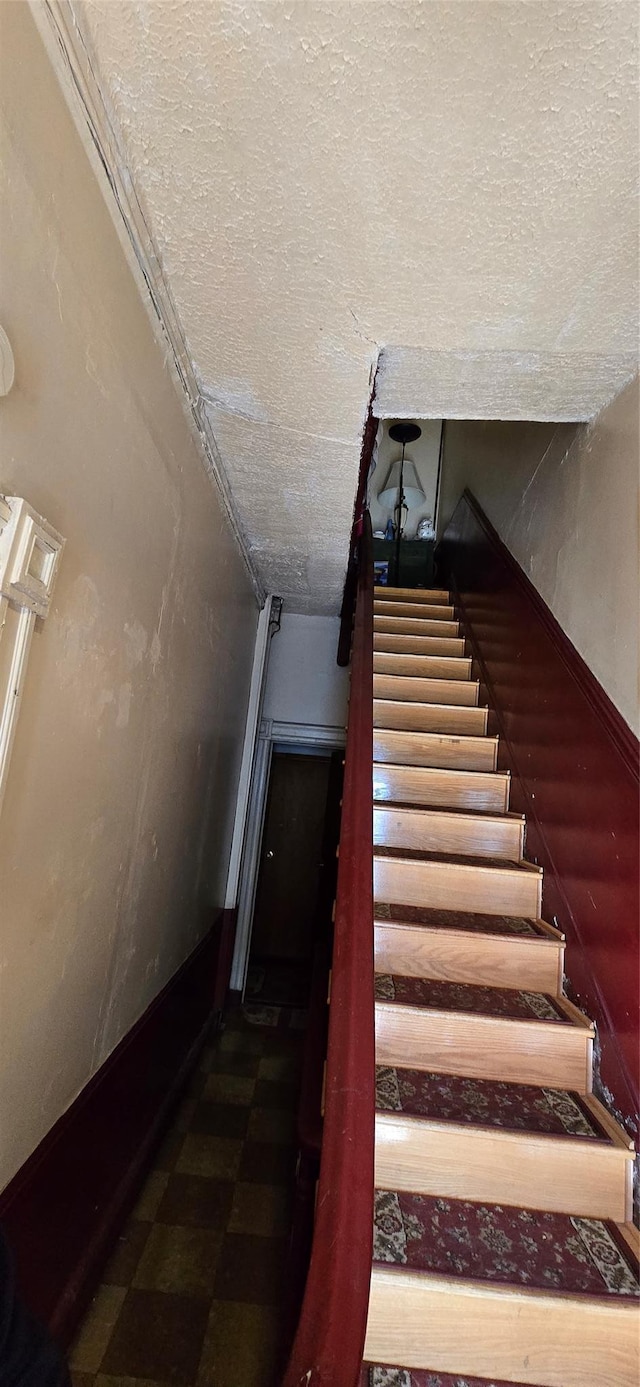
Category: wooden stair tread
[486,1103]
[377,1375]
[502,1246]
[431,994]
[458,919]
[411,594]
[456,859]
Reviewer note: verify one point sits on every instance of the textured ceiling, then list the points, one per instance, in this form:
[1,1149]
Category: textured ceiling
[323,180]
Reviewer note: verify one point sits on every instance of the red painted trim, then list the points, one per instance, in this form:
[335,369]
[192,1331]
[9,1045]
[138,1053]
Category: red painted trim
[625,739]
[351,580]
[575,769]
[330,1340]
[63,1208]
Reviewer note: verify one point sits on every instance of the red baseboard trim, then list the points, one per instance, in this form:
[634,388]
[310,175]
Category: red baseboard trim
[574,766]
[63,1209]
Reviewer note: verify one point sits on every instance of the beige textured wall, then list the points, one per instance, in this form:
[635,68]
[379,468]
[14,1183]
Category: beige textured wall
[565,501]
[116,824]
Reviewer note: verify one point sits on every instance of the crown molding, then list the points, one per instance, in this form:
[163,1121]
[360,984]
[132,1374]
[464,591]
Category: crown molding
[69,50]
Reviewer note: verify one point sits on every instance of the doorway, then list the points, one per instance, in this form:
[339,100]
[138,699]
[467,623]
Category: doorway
[297,859]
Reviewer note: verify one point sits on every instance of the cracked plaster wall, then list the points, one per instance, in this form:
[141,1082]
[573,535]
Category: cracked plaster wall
[326,179]
[116,824]
[564,499]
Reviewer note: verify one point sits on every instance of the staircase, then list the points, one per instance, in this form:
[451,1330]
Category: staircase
[503,1245]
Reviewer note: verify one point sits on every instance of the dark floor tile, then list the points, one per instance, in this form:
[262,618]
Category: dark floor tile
[262,1209]
[272,1124]
[242,1042]
[217,1158]
[81,1379]
[88,1349]
[126,1254]
[240,1347]
[267,1163]
[158,1336]
[279,1066]
[229,1088]
[220,1119]
[196,1202]
[179,1259]
[274,1093]
[227,1062]
[251,1269]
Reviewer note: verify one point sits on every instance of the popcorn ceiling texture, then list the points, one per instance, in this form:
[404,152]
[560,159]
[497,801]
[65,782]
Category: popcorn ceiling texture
[323,180]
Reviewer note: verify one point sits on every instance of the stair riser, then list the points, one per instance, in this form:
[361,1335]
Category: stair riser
[422,666]
[429,611]
[441,789]
[449,886]
[481,1047]
[429,717]
[417,596]
[457,691]
[414,626]
[436,831]
[519,1336]
[435,749]
[560,1175]
[411,951]
[417,645]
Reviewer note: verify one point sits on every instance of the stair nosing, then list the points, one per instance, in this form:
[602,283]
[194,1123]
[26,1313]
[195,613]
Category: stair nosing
[482,1286]
[540,1023]
[508,1133]
[450,930]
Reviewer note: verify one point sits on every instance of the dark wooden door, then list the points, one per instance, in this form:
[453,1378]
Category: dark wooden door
[287,893]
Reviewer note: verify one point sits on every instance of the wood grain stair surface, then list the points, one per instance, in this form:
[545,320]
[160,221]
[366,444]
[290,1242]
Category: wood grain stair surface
[415,595]
[502,1241]
[415,626]
[429,611]
[423,690]
[435,749]
[487,835]
[404,644]
[429,717]
[441,788]
[403,877]
[475,955]
[416,666]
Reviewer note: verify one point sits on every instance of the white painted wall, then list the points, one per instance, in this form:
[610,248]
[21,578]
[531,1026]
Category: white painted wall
[116,824]
[564,499]
[304,683]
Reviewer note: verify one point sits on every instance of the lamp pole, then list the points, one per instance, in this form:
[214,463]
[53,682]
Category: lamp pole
[401,433]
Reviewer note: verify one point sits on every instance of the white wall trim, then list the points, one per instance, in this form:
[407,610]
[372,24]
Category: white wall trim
[30,551]
[251,734]
[303,733]
[60,26]
[270,733]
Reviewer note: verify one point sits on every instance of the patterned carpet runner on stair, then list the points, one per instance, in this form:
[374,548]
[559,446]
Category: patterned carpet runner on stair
[414,1377]
[457,919]
[485,1103]
[490,1242]
[456,996]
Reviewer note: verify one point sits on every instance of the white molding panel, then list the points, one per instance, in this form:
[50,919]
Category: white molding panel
[30,551]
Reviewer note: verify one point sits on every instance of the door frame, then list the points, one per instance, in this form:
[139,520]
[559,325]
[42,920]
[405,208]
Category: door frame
[295,736]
